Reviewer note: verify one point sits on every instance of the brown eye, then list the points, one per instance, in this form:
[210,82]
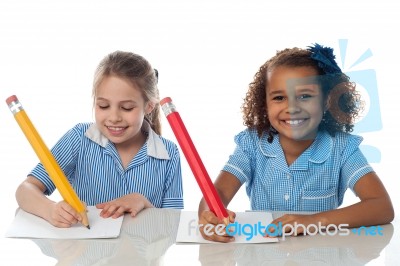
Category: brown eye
[278,98]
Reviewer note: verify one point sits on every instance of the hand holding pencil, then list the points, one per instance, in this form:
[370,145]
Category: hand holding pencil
[47,158]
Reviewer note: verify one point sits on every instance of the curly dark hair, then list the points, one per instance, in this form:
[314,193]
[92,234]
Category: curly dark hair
[343,101]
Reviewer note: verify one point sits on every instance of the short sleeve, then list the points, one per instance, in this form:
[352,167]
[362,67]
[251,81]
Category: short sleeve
[173,194]
[355,164]
[65,153]
[239,163]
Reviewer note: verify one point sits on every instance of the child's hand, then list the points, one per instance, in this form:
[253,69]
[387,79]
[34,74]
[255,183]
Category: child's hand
[61,214]
[292,224]
[207,225]
[132,203]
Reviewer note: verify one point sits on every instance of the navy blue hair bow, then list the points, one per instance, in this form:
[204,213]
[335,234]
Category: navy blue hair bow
[325,58]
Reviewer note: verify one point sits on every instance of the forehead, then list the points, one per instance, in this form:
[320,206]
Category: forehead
[117,87]
[288,78]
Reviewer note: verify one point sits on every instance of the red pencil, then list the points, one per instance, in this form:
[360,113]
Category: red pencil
[196,165]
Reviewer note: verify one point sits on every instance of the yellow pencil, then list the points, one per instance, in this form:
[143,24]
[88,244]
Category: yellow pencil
[46,158]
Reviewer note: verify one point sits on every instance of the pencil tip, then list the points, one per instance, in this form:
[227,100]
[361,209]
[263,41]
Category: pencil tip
[88,227]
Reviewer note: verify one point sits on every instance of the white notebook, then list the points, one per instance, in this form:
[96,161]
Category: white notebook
[26,225]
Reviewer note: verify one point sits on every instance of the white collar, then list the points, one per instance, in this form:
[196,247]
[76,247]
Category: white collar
[155,146]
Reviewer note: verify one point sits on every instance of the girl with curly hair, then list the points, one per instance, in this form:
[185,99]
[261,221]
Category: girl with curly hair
[297,153]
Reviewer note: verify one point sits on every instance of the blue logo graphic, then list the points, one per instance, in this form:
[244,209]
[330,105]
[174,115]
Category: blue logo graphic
[368,231]
[371,118]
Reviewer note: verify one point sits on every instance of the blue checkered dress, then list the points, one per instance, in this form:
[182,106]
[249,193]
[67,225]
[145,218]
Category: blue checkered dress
[315,181]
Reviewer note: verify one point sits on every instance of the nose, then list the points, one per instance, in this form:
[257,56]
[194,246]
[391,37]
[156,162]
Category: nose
[115,116]
[292,107]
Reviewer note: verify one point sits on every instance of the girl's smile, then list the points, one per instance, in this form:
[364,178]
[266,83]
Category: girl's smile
[295,123]
[116,131]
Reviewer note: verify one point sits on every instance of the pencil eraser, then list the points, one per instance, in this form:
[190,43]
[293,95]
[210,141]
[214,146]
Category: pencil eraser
[11,99]
[165,100]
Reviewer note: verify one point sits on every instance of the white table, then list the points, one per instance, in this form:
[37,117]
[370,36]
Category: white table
[149,239]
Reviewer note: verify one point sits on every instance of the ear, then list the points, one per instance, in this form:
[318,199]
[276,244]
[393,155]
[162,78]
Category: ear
[149,107]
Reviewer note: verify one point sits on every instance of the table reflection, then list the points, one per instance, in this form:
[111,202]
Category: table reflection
[143,241]
[301,250]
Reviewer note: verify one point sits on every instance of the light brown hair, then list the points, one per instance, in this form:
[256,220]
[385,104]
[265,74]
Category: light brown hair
[137,70]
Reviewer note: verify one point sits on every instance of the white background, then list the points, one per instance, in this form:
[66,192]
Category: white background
[206,52]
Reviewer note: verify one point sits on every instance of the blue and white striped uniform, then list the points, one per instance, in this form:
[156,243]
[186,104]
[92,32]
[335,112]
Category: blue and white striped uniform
[93,167]
[315,181]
